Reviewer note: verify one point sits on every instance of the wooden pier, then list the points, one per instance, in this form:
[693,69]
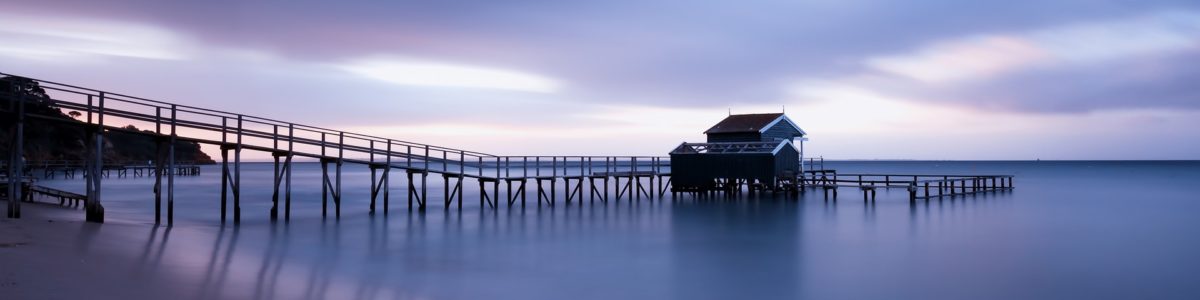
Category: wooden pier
[233,133]
[596,177]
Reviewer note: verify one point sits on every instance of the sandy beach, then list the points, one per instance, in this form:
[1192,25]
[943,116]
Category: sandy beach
[51,253]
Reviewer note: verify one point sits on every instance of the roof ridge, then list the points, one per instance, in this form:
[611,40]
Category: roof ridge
[744,123]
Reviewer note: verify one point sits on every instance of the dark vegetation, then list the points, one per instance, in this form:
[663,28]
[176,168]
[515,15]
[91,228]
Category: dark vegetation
[55,135]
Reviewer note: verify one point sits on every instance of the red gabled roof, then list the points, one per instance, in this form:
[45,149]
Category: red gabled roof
[744,123]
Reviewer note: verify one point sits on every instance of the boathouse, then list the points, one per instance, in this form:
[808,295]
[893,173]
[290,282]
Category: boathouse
[755,149]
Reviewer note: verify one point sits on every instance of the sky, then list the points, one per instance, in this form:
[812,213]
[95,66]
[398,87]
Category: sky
[866,79]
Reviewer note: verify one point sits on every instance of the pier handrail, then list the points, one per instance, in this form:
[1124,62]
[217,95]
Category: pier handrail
[363,147]
[206,111]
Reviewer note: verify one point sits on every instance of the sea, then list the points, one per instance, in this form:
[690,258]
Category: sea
[1068,230]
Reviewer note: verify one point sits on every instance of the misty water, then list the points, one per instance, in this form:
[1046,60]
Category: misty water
[1082,230]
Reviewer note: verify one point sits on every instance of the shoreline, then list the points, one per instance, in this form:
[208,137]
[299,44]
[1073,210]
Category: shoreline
[51,253]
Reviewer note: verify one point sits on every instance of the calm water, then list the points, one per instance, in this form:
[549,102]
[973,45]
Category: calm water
[1070,230]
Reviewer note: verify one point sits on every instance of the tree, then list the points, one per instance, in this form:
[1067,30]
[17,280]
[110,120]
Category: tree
[74,114]
[15,86]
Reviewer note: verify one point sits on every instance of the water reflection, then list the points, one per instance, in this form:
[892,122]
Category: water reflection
[219,263]
[718,240]
[762,247]
[272,263]
[323,265]
[753,248]
[151,256]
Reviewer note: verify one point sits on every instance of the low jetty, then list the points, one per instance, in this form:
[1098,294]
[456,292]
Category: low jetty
[69,169]
[918,186]
[30,192]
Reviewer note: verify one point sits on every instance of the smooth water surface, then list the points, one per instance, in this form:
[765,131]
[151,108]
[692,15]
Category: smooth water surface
[1070,230]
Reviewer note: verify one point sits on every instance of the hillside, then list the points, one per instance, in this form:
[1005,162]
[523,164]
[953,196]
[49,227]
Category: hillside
[59,136]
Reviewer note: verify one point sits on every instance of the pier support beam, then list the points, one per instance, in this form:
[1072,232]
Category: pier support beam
[160,165]
[331,187]
[643,189]
[597,193]
[379,186]
[16,159]
[231,182]
[512,196]
[283,180]
[412,189]
[95,211]
[573,191]
[541,192]
[484,198]
[623,189]
[664,183]
[237,175]
[452,192]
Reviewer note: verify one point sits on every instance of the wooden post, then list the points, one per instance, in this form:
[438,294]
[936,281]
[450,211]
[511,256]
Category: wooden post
[912,192]
[524,177]
[926,191]
[337,194]
[94,214]
[158,165]
[224,177]
[554,176]
[424,178]
[324,180]
[16,160]
[386,177]
[275,173]
[287,198]
[635,187]
[171,167]
[237,175]
[371,165]
[411,186]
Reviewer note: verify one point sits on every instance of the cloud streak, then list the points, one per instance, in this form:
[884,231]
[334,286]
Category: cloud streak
[1142,61]
[58,39]
[440,74]
[986,56]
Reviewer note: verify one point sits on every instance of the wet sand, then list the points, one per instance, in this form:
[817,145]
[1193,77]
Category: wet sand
[51,253]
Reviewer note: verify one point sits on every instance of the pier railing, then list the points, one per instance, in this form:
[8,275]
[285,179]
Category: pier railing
[103,111]
[112,111]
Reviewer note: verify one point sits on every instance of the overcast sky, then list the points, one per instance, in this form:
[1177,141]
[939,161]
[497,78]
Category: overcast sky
[866,79]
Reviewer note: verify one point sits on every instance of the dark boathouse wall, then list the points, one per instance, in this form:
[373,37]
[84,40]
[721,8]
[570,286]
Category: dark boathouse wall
[694,170]
[781,131]
[734,137]
[787,162]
